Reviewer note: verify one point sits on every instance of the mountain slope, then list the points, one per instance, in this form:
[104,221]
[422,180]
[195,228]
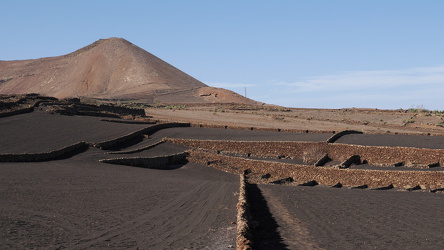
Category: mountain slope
[109,68]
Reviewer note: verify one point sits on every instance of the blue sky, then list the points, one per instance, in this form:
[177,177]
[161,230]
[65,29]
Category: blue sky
[384,54]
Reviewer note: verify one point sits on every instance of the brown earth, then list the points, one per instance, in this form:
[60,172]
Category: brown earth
[109,69]
[372,121]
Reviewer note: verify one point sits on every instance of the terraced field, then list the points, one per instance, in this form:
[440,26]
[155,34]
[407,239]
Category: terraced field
[176,185]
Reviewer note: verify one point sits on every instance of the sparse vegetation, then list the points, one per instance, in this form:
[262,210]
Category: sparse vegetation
[174,107]
[418,109]
[279,117]
[313,154]
[409,121]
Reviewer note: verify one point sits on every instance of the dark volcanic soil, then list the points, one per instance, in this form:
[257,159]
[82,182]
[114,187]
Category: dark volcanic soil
[41,132]
[79,203]
[417,141]
[330,218]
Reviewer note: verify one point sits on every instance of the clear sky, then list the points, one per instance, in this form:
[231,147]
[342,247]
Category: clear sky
[384,54]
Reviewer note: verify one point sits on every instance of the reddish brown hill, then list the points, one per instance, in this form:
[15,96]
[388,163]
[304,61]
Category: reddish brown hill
[109,68]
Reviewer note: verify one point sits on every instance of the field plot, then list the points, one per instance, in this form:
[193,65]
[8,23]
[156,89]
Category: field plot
[332,218]
[80,203]
[41,132]
[416,141]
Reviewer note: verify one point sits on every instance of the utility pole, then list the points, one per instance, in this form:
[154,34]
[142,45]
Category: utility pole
[245,92]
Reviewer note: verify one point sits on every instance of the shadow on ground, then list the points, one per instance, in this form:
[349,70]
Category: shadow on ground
[264,228]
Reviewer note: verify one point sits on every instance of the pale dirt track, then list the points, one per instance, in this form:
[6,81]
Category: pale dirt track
[330,218]
[239,135]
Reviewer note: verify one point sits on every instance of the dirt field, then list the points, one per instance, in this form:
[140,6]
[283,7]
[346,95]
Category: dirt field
[332,218]
[80,203]
[416,141]
[41,132]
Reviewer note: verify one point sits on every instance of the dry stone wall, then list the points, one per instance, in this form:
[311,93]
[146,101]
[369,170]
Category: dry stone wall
[148,130]
[159,162]
[336,136]
[17,112]
[122,110]
[243,237]
[375,155]
[263,149]
[45,156]
[324,176]
[388,156]
[204,125]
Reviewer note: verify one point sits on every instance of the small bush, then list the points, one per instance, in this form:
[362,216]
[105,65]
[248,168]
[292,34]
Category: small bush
[312,154]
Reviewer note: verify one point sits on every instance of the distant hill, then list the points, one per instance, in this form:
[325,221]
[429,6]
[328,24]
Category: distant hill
[110,69]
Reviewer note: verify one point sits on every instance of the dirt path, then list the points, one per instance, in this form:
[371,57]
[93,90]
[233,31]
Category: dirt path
[368,121]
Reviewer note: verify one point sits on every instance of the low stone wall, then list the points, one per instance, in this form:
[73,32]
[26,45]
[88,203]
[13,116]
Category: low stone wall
[324,176]
[205,125]
[265,149]
[161,126]
[122,110]
[119,140]
[127,121]
[148,130]
[336,136]
[387,156]
[17,112]
[159,162]
[375,155]
[45,156]
[139,149]
[243,237]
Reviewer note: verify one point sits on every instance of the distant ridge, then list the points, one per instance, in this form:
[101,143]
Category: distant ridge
[110,68]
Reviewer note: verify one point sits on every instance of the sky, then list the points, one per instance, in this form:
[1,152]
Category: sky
[384,54]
